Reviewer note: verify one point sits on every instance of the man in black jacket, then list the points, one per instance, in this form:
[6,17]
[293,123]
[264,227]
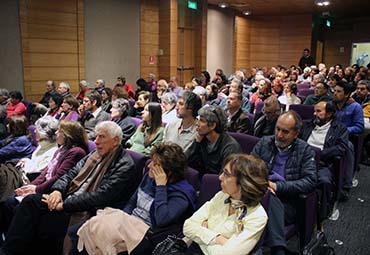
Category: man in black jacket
[292,172]
[106,177]
[331,137]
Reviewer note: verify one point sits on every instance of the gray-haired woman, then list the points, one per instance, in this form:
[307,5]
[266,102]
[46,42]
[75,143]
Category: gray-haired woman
[45,136]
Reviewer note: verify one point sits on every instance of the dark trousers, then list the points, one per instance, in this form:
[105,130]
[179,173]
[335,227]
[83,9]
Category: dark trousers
[324,180]
[7,211]
[35,229]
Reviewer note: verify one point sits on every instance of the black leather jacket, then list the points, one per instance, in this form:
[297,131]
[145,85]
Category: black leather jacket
[118,184]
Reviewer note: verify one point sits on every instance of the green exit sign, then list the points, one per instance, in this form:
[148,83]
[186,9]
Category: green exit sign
[328,23]
[192,5]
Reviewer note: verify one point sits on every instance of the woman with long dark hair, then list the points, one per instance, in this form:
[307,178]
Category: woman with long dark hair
[150,132]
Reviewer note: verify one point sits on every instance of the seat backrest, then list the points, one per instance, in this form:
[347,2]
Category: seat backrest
[192,176]
[247,142]
[305,92]
[304,110]
[209,186]
[251,117]
[137,121]
[139,161]
[303,85]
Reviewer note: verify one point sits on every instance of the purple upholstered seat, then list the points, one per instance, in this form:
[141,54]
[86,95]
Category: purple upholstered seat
[304,110]
[137,121]
[247,142]
[209,187]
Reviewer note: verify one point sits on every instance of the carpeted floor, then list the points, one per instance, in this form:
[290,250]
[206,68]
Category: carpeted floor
[350,234]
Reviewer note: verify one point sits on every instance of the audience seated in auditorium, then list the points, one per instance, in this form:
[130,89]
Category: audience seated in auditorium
[265,121]
[292,166]
[182,131]
[220,78]
[212,93]
[18,144]
[320,94]
[119,114]
[91,113]
[290,95]
[150,132]
[168,104]
[316,78]
[4,100]
[40,222]
[106,98]
[50,89]
[162,87]
[142,100]
[121,82]
[141,86]
[237,120]
[212,144]
[72,139]
[173,86]
[15,105]
[332,82]
[68,109]
[331,137]
[233,221]
[64,88]
[99,86]
[163,198]
[55,102]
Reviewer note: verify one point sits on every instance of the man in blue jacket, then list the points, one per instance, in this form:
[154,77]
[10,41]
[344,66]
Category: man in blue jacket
[292,172]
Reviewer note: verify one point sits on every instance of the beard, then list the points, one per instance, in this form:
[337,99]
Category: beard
[319,122]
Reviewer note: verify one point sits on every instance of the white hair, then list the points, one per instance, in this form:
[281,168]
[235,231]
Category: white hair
[46,127]
[64,85]
[113,129]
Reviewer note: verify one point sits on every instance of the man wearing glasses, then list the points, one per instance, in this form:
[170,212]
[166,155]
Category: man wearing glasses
[211,144]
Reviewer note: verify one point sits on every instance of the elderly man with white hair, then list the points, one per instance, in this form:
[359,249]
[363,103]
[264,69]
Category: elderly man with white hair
[106,177]
[64,88]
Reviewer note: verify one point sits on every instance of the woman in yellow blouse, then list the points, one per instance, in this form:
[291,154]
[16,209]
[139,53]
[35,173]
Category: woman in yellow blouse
[233,220]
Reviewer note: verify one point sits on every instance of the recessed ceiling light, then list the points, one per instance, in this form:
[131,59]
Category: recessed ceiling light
[247,13]
[223,5]
[322,2]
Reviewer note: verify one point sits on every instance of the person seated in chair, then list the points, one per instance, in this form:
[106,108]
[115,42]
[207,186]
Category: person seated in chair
[331,137]
[320,94]
[72,138]
[106,177]
[91,113]
[237,120]
[232,222]
[212,144]
[163,198]
[265,121]
[182,131]
[292,166]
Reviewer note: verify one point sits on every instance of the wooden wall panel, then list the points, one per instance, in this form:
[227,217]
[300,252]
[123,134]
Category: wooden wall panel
[149,37]
[269,41]
[52,44]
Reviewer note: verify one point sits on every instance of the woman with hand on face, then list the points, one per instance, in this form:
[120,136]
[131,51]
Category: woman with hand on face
[55,102]
[150,132]
[164,197]
[233,220]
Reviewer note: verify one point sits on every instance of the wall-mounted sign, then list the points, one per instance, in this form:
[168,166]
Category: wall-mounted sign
[151,60]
